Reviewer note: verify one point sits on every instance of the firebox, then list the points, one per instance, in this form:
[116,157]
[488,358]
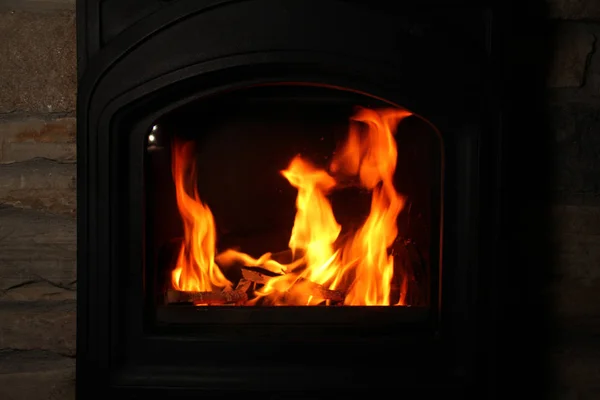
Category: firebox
[286,198]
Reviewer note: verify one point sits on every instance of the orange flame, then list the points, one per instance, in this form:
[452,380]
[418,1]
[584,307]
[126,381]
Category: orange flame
[195,269]
[315,228]
[373,158]
[361,266]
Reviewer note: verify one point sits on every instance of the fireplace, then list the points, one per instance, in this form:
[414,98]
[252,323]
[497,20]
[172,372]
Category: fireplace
[302,192]
[286,198]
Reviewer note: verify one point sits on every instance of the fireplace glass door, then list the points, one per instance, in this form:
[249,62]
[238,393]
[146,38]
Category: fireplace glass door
[289,195]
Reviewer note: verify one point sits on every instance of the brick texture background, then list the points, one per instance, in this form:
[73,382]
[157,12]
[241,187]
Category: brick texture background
[37,197]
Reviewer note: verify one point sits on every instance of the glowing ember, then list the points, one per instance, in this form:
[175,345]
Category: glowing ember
[359,266]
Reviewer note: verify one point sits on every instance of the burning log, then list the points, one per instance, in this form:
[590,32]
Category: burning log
[254,276]
[236,296]
[336,296]
[243,285]
[315,289]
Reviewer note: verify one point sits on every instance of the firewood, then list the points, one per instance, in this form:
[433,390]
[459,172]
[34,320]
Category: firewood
[254,276]
[211,298]
[243,285]
[315,288]
[335,296]
[239,296]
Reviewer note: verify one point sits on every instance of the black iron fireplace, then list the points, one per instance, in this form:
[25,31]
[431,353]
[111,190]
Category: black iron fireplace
[286,198]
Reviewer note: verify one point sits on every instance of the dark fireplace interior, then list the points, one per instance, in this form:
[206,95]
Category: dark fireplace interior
[286,198]
[237,145]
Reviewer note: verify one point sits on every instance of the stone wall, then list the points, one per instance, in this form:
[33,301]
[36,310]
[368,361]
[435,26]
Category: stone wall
[37,200]
[37,197]
[574,120]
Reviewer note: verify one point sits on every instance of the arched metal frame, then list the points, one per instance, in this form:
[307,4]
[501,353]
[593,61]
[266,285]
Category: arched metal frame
[175,56]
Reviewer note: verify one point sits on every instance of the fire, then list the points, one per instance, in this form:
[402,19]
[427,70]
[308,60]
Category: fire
[373,158]
[315,228]
[195,269]
[360,265]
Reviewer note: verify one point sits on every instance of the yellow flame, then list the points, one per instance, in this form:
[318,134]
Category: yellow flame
[195,269]
[361,266]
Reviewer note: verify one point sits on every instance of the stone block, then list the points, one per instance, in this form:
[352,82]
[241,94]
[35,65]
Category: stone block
[581,220]
[571,298]
[577,369]
[578,257]
[574,46]
[36,246]
[576,239]
[15,361]
[576,153]
[36,290]
[40,184]
[575,291]
[37,61]
[592,82]
[33,137]
[37,5]
[44,325]
[34,375]
[574,9]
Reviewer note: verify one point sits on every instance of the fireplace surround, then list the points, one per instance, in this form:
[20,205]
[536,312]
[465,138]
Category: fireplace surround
[146,66]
